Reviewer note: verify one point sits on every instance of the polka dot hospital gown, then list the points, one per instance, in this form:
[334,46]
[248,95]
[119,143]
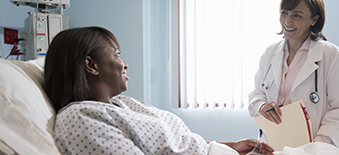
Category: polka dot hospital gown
[90,127]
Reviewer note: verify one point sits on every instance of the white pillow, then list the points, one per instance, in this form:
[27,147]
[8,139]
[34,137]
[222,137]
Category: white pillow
[26,115]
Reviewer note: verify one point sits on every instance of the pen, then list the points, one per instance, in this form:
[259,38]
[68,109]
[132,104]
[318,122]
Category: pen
[268,110]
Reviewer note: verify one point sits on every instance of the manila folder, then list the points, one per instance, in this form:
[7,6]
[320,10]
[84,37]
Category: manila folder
[294,129]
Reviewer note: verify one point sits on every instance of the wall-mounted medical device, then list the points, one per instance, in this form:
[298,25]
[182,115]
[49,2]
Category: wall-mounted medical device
[41,26]
[51,4]
[40,29]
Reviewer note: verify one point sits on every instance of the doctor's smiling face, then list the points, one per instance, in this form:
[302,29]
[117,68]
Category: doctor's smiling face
[296,23]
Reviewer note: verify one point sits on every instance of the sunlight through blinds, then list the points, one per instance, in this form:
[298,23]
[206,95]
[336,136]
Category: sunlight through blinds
[221,42]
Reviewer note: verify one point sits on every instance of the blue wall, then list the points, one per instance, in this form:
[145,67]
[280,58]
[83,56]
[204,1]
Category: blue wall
[330,30]
[11,16]
[149,80]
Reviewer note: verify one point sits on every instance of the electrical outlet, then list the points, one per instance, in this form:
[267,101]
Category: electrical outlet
[10,35]
[23,36]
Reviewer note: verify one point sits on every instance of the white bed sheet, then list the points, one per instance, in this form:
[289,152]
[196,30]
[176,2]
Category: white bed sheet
[315,148]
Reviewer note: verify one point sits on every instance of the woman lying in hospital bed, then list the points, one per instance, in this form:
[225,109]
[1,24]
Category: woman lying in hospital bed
[84,76]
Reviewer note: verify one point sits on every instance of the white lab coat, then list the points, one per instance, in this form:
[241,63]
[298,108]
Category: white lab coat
[325,114]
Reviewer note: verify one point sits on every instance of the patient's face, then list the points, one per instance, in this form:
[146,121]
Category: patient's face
[112,71]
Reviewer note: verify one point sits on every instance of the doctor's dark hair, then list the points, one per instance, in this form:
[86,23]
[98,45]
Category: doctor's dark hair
[65,78]
[316,7]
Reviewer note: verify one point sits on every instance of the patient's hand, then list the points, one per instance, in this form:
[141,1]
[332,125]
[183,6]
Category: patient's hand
[245,146]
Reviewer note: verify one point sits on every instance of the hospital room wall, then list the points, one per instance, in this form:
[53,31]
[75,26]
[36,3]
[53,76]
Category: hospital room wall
[125,19]
[11,16]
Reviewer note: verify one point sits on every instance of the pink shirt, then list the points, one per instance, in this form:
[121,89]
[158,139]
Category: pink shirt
[290,73]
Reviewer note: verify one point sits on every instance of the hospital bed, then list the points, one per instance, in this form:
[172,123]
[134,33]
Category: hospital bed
[26,115]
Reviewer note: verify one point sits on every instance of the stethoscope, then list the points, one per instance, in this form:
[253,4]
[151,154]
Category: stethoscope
[263,84]
[314,97]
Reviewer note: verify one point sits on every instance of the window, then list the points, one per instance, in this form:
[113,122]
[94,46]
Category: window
[221,42]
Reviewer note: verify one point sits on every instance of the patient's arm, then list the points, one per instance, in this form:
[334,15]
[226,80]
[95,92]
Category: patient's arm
[245,146]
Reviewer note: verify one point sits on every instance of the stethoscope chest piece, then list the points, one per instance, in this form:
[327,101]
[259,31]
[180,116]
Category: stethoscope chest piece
[314,97]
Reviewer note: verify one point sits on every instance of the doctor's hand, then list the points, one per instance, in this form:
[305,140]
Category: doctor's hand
[243,147]
[272,115]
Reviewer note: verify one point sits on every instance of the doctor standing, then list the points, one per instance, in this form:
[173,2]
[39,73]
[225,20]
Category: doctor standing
[302,66]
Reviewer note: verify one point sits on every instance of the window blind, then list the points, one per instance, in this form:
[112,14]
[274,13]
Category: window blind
[221,42]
